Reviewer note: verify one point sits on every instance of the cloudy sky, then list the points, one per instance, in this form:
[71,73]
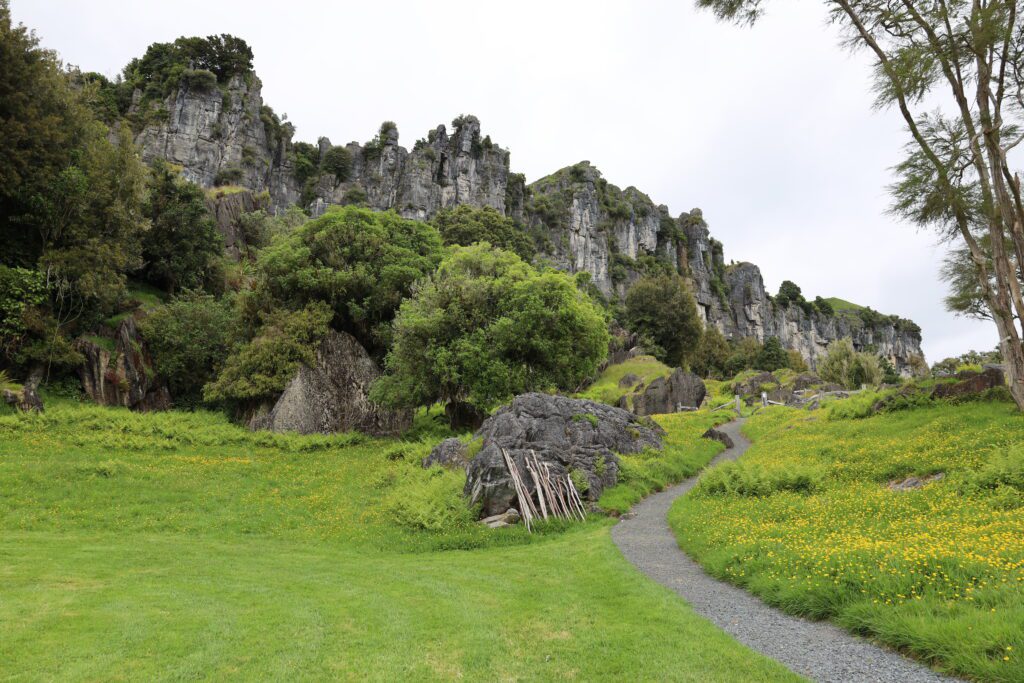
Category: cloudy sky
[768,129]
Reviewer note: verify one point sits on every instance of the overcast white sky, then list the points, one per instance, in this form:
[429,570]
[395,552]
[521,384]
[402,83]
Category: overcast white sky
[768,129]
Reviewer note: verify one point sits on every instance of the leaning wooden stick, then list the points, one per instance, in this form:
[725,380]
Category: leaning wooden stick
[524,502]
[537,485]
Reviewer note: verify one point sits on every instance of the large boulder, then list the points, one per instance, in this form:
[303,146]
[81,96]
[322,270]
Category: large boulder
[670,395]
[754,385]
[26,398]
[450,454]
[989,379]
[333,395]
[565,433]
[124,375]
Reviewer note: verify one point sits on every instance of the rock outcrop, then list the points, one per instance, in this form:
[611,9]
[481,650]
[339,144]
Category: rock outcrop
[440,171]
[580,222]
[122,375]
[26,398]
[227,208]
[971,385]
[220,137]
[672,394]
[450,454]
[333,396]
[572,436]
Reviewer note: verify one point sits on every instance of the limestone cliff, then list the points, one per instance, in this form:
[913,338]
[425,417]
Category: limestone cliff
[580,222]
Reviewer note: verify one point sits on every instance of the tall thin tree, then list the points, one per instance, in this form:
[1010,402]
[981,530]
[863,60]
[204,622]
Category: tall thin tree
[965,57]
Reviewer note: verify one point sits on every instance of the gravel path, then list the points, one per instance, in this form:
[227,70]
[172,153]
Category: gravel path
[815,649]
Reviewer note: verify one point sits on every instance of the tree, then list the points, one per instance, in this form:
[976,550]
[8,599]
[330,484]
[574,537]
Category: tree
[487,326]
[190,339]
[772,356]
[743,356]
[789,293]
[663,312]
[823,306]
[795,361]
[710,357]
[361,263]
[845,366]
[182,245]
[889,374]
[465,225]
[338,162]
[957,177]
[260,369]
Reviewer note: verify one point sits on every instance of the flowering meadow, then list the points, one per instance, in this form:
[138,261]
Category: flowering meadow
[807,520]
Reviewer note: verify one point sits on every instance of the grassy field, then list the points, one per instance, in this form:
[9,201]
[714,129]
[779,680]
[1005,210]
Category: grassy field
[806,520]
[178,546]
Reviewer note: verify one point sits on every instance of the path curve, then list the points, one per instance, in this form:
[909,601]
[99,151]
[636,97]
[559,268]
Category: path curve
[815,649]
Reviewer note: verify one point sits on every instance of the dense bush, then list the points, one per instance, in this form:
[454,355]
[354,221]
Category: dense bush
[488,326]
[259,228]
[165,65]
[823,306]
[772,356]
[228,176]
[338,162]
[465,225]
[361,263]
[21,290]
[182,246]
[848,367]
[260,369]
[190,339]
[199,79]
[711,356]
[662,311]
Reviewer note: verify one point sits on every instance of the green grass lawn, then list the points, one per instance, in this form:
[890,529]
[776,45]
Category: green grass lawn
[806,521]
[176,545]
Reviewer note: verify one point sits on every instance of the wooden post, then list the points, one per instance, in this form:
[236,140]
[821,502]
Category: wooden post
[738,403]
[764,399]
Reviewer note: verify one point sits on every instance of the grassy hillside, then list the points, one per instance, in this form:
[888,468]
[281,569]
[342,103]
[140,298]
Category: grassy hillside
[806,520]
[607,390]
[179,546]
[843,305]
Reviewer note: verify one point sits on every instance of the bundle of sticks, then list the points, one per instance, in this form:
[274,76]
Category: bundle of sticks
[556,496]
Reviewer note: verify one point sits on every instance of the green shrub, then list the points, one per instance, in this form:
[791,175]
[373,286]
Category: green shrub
[465,225]
[228,176]
[360,263]
[260,369]
[488,326]
[190,339]
[338,162]
[663,312]
[199,79]
[849,368]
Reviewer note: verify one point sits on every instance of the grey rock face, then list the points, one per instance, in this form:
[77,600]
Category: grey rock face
[124,377]
[333,396]
[208,133]
[227,209]
[663,395]
[450,454]
[567,434]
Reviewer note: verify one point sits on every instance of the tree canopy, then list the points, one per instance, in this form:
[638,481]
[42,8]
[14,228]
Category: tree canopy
[361,263]
[663,312]
[487,326]
[465,225]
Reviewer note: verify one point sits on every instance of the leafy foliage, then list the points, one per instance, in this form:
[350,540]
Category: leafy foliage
[338,162]
[190,339]
[847,367]
[465,225]
[182,246]
[487,326]
[662,311]
[772,356]
[260,369]
[361,263]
